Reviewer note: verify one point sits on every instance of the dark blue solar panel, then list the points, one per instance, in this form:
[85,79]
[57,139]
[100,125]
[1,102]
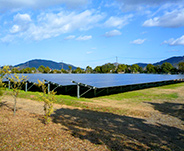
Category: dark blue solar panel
[113,80]
[60,79]
[102,80]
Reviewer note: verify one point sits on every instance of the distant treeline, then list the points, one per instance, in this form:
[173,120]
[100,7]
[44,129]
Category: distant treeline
[165,68]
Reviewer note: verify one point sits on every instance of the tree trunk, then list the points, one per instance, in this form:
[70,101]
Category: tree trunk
[15,100]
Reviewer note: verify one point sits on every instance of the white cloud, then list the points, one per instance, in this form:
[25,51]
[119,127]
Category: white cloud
[89,52]
[172,19]
[15,29]
[7,39]
[22,23]
[138,41]
[22,18]
[7,5]
[83,38]
[69,37]
[174,42]
[175,50]
[50,25]
[118,22]
[137,5]
[113,33]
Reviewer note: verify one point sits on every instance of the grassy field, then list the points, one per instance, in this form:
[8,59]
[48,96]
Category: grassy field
[148,119]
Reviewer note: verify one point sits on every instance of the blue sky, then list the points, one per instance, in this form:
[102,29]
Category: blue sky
[89,32]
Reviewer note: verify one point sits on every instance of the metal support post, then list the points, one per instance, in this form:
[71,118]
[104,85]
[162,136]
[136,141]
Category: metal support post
[94,92]
[26,87]
[48,87]
[121,89]
[107,91]
[78,91]
[9,84]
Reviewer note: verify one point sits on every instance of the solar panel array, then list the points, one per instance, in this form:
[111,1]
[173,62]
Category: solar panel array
[101,80]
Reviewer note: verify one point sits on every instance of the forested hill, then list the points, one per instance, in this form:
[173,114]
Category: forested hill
[173,60]
[51,64]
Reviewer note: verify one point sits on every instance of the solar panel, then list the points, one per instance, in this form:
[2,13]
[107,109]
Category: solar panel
[60,79]
[114,80]
[102,80]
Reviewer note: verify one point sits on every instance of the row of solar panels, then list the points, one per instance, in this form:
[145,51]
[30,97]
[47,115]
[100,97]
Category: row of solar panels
[101,80]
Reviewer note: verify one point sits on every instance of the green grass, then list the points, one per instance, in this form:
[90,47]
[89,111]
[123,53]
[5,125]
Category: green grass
[172,86]
[141,95]
[146,94]
[61,99]
[132,98]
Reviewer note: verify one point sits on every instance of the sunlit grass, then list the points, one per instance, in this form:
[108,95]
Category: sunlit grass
[133,98]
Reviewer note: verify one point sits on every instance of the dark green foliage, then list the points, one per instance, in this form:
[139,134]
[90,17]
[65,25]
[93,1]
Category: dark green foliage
[122,68]
[47,70]
[136,68]
[181,67]
[166,67]
[41,69]
[89,69]
[150,68]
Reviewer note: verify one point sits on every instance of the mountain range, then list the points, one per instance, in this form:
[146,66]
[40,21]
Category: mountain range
[173,60]
[51,64]
[59,65]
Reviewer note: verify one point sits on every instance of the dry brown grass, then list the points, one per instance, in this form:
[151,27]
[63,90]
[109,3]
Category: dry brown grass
[140,123]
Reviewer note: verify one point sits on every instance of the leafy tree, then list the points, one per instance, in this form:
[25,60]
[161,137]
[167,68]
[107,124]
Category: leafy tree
[48,99]
[98,69]
[158,69]
[122,68]
[33,70]
[78,70]
[150,68]
[135,68]
[107,68]
[181,67]
[63,71]
[27,70]
[15,70]
[89,69]
[41,68]
[17,83]
[70,68]
[47,70]
[4,73]
[166,67]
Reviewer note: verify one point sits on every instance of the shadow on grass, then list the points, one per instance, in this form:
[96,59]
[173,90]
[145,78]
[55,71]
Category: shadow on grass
[119,132]
[173,109]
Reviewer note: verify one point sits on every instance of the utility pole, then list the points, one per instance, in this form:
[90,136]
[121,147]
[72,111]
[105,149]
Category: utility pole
[116,62]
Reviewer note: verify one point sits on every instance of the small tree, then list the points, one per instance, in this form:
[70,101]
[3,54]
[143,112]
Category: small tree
[89,69]
[17,83]
[47,70]
[70,69]
[4,73]
[48,99]
[41,68]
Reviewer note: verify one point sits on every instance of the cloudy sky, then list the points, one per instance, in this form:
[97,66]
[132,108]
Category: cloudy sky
[91,32]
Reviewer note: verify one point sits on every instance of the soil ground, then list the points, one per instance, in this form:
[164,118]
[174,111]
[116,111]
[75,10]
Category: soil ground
[152,125]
